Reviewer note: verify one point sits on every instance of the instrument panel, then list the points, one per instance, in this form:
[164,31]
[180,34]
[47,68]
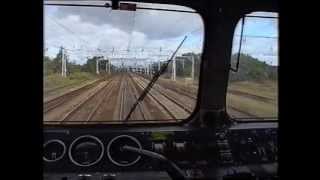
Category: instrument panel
[74,150]
[254,145]
[242,148]
[248,143]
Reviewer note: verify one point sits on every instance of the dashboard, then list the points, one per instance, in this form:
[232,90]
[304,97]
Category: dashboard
[248,150]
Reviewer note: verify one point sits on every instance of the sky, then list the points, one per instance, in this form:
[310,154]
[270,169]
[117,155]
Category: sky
[142,34]
[260,38]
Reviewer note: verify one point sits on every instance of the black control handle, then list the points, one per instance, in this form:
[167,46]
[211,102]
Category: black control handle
[172,169]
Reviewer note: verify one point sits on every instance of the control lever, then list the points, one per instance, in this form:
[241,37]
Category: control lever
[173,170]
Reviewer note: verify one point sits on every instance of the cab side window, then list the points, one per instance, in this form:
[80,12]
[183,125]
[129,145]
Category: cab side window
[253,88]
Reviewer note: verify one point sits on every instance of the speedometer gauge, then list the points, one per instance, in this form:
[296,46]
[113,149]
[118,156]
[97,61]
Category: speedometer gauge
[119,157]
[86,151]
[53,150]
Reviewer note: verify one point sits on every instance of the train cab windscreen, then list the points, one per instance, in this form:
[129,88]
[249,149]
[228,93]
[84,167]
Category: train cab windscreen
[253,78]
[150,90]
[99,63]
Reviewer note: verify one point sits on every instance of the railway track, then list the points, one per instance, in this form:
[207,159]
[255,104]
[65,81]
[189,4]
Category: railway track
[117,114]
[106,95]
[47,91]
[127,96]
[251,96]
[174,109]
[236,112]
[149,107]
[232,110]
[55,102]
[102,100]
[165,110]
[85,114]
[184,102]
[123,99]
[142,111]
[181,90]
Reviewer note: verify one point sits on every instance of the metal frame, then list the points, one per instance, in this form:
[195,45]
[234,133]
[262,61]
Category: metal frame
[239,50]
[107,5]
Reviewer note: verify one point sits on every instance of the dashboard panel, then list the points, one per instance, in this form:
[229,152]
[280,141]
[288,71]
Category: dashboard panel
[89,150]
[201,152]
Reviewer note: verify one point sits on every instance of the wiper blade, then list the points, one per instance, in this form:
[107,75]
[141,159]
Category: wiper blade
[153,80]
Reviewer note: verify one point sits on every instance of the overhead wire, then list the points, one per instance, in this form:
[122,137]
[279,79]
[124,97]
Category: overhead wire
[69,30]
[106,51]
[257,36]
[132,29]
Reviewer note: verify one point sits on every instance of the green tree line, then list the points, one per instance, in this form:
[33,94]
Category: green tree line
[251,68]
[183,66]
[53,65]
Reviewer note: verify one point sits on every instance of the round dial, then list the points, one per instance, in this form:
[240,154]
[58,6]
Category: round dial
[86,151]
[53,150]
[119,157]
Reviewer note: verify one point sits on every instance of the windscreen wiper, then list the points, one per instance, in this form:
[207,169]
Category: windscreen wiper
[153,80]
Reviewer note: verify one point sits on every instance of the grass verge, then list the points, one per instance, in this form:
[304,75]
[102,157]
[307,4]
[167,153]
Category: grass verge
[267,89]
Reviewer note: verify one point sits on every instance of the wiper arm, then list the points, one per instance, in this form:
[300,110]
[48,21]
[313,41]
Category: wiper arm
[153,80]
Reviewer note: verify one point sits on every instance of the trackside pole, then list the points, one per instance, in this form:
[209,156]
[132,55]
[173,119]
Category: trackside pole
[174,69]
[97,66]
[109,66]
[63,64]
[192,67]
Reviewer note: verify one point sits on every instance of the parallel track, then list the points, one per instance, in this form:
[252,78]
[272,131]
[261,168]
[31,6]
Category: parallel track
[114,98]
[70,113]
[53,103]
[174,109]
[142,108]
[174,98]
[47,91]
[123,98]
[178,90]
[232,109]
[106,95]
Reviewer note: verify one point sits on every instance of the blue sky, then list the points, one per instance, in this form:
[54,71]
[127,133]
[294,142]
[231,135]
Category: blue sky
[260,38]
[89,32]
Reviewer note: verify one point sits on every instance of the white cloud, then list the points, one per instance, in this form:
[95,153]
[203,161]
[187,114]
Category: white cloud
[77,31]
[89,29]
[260,38]
[154,24]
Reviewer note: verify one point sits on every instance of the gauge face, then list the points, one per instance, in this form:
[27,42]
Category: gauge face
[86,151]
[119,157]
[53,150]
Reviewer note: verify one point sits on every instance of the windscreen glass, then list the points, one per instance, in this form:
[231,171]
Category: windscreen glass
[98,61]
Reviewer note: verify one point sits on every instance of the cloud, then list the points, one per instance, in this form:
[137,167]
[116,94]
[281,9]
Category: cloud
[154,24]
[144,32]
[260,38]
[82,33]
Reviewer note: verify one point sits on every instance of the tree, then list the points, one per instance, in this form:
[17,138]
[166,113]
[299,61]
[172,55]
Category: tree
[57,61]
[252,69]
[47,65]
[90,65]
[73,67]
